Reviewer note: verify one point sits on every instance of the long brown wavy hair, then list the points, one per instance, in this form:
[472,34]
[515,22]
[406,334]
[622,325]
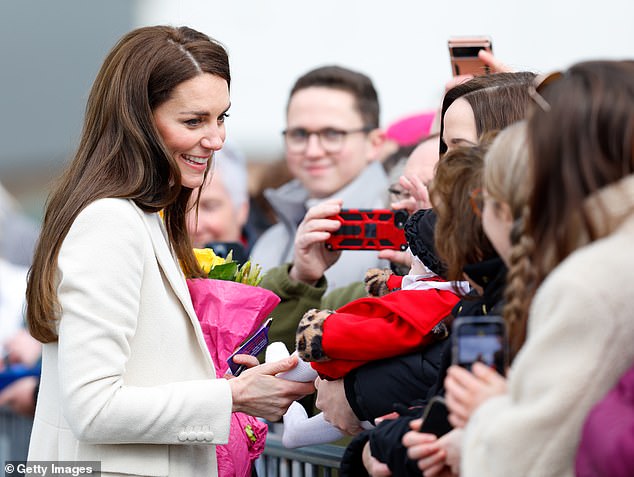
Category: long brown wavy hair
[582,143]
[121,153]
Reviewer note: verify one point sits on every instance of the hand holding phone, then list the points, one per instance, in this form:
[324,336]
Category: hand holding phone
[252,346]
[369,229]
[480,338]
[436,418]
[463,53]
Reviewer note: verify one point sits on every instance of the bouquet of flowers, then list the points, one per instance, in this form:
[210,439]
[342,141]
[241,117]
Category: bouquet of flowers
[230,307]
[226,269]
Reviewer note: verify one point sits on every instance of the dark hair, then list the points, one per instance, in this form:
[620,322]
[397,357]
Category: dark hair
[121,154]
[459,237]
[497,100]
[582,144]
[357,84]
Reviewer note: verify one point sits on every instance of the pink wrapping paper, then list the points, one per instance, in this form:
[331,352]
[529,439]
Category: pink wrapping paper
[229,312]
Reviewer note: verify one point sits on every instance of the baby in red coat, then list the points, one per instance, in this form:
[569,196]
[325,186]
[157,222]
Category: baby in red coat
[403,315]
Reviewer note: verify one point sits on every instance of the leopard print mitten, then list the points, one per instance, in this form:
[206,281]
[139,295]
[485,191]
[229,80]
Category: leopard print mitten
[376,281]
[309,335]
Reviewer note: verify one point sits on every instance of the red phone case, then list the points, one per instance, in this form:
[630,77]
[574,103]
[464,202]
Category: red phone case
[369,229]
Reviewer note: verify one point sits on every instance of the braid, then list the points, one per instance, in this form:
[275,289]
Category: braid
[520,284]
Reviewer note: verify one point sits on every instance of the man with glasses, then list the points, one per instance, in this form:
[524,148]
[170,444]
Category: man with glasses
[333,145]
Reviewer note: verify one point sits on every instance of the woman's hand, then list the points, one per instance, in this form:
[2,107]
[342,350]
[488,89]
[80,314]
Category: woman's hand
[439,457]
[418,199]
[495,65]
[452,444]
[396,256]
[246,360]
[424,449]
[259,393]
[418,195]
[466,391]
[311,258]
[372,465]
[332,401]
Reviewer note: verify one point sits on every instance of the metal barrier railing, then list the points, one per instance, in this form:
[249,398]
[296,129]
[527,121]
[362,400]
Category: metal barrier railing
[311,461]
[276,460]
[15,432]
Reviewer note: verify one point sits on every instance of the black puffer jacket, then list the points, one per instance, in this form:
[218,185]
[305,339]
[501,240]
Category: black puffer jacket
[370,393]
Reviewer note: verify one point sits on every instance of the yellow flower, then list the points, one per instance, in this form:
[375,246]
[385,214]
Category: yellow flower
[207,259]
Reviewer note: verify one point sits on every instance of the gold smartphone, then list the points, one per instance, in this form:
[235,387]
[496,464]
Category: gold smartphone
[463,53]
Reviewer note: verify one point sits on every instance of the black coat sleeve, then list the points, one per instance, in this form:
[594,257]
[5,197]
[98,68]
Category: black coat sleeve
[386,439]
[386,445]
[352,461]
[379,387]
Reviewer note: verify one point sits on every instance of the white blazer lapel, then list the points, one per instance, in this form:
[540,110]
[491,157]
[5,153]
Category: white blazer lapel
[172,271]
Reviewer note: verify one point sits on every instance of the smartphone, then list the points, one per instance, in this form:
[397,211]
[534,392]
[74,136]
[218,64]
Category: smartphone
[436,417]
[480,338]
[253,346]
[369,229]
[463,53]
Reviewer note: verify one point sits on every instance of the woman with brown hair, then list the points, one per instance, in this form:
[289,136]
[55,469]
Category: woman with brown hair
[580,230]
[127,379]
[482,104]
[505,188]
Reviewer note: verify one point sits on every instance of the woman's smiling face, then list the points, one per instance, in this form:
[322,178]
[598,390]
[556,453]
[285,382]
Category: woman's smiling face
[192,124]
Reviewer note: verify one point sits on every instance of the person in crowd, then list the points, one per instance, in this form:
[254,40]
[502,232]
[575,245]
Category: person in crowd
[18,232]
[23,351]
[220,220]
[401,137]
[607,441]
[126,376]
[578,232]
[302,284]
[480,94]
[500,203]
[333,144]
[18,235]
[465,249]
[402,314]
[482,104]
[17,347]
[263,176]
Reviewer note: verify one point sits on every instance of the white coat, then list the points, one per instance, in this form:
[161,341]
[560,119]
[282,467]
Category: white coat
[130,382]
[579,343]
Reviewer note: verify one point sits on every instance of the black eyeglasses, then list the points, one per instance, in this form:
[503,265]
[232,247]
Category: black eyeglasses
[330,139]
[535,90]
